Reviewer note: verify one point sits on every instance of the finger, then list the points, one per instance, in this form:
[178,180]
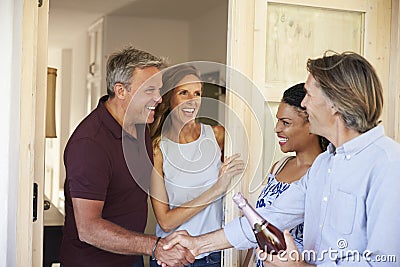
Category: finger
[231,158]
[189,257]
[171,243]
[237,167]
[183,232]
[290,244]
[232,164]
[176,233]
[236,164]
[185,254]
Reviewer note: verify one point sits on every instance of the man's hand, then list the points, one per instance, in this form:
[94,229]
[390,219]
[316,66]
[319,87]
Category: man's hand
[175,255]
[184,239]
[290,257]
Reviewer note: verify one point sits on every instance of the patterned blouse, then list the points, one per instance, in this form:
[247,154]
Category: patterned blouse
[272,189]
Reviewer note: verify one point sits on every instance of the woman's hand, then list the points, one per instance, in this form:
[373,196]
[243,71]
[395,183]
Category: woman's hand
[231,167]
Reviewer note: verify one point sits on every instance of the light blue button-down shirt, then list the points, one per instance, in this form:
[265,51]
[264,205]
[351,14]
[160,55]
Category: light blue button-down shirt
[349,201]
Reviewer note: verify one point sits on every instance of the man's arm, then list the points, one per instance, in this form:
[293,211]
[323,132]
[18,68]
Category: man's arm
[103,234]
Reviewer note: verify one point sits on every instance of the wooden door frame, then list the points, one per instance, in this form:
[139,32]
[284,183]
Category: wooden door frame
[393,103]
[29,243]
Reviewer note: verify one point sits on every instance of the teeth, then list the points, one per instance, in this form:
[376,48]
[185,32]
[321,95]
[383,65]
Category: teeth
[190,110]
[151,108]
[282,139]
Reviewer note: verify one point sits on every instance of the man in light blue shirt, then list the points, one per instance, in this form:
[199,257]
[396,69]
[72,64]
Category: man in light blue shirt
[349,198]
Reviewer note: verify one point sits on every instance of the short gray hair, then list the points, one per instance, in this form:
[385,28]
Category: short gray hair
[121,66]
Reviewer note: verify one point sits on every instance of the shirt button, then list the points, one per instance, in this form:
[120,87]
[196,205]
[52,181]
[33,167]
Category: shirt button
[320,226]
[329,170]
[325,199]
[348,156]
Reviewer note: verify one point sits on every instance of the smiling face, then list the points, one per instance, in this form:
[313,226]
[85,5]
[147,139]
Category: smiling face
[292,128]
[186,99]
[144,95]
[321,112]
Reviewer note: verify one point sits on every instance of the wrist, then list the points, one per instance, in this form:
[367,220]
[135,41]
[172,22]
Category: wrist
[218,189]
[153,252]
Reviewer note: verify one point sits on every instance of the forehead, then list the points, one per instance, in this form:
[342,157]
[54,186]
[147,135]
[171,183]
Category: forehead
[287,111]
[149,76]
[189,82]
[311,83]
[188,79]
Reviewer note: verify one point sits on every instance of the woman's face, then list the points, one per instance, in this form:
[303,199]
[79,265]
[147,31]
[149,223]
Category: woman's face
[186,99]
[292,128]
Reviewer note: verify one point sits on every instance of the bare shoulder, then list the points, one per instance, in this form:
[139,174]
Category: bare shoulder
[219,132]
[157,155]
[273,167]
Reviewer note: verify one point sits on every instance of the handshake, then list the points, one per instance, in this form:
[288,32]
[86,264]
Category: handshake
[177,249]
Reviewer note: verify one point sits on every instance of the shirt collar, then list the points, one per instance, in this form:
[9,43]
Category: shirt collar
[107,119]
[356,145]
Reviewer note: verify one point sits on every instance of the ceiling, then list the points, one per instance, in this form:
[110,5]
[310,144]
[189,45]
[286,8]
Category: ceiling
[70,18]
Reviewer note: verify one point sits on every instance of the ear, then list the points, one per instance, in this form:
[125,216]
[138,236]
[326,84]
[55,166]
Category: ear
[334,110]
[119,90]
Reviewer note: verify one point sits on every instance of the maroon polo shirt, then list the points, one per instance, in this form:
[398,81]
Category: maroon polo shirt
[104,163]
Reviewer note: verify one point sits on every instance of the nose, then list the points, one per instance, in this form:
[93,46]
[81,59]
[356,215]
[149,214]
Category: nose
[304,102]
[277,127]
[192,99]
[157,97]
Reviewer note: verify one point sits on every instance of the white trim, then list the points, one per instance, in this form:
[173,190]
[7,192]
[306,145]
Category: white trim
[393,120]
[10,75]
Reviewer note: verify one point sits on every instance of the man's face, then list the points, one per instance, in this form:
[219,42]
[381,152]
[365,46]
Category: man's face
[320,110]
[144,95]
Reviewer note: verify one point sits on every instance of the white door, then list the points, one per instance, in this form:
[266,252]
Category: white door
[270,41]
[32,133]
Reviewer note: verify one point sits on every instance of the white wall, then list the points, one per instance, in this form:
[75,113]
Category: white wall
[162,37]
[10,76]
[53,145]
[208,35]
[79,69]
[71,62]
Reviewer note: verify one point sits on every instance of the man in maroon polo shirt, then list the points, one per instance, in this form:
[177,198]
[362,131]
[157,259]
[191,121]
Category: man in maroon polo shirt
[108,160]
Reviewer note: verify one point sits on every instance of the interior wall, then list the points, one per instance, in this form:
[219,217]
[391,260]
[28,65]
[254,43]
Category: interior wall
[70,108]
[208,35]
[53,144]
[10,75]
[79,70]
[161,37]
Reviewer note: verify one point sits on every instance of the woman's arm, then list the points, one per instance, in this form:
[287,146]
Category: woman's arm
[219,132]
[169,219]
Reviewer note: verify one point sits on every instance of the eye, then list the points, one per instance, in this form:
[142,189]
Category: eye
[285,123]
[150,90]
[197,93]
[183,92]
